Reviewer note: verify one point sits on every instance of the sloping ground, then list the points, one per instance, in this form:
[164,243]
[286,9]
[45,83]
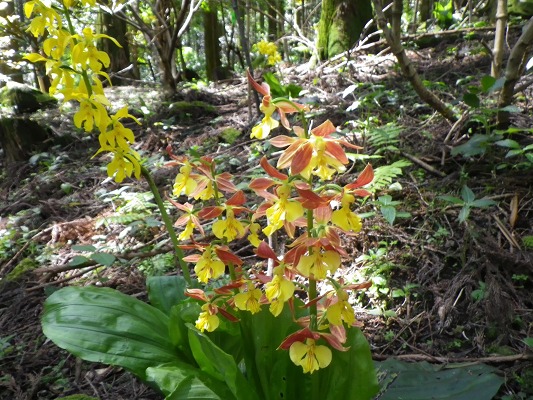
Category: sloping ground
[443,290]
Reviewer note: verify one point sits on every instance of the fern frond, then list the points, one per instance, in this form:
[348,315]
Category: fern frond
[384,138]
[384,175]
[120,219]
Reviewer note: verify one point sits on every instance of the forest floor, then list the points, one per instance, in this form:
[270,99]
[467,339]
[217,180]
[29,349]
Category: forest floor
[444,291]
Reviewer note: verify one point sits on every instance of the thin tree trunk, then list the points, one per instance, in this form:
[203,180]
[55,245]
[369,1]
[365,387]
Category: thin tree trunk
[499,38]
[244,44]
[212,32]
[407,68]
[514,70]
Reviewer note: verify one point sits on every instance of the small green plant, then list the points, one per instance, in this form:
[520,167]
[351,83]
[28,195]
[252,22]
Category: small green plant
[527,241]
[406,291]
[280,90]
[99,257]
[387,207]
[516,150]
[520,278]
[467,201]
[376,267]
[480,293]
[6,347]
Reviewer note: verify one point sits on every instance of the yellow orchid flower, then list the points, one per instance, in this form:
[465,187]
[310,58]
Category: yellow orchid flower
[262,130]
[86,54]
[91,113]
[282,210]
[278,291]
[123,164]
[209,266]
[249,300]
[318,263]
[55,46]
[253,237]
[310,356]
[347,220]
[208,319]
[341,310]
[229,228]
[49,19]
[184,183]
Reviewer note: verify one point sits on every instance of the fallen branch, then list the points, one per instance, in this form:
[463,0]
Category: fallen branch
[79,274]
[424,165]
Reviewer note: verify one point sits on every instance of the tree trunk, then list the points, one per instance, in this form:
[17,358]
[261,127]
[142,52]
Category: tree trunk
[426,10]
[407,68]
[120,67]
[20,136]
[499,38]
[514,70]
[341,24]
[212,32]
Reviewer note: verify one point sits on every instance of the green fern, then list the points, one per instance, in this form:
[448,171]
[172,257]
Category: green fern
[384,175]
[384,138]
[136,202]
[120,219]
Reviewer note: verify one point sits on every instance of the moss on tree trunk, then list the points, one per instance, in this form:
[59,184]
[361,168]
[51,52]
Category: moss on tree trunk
[341,24]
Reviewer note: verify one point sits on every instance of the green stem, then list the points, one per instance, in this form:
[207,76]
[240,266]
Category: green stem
[178,253]
[312,291]
[232,273]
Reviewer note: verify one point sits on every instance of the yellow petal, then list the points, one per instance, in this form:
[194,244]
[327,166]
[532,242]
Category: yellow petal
[323,355]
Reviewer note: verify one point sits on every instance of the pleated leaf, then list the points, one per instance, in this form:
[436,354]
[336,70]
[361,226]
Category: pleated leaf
[104,325]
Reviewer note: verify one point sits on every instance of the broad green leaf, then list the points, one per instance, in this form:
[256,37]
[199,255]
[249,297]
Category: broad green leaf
[463,214]
[389,213]
[477,145]
[528,147]
[513,153]
[78,260]
[350,372]
[423,381]
[271,370]
[483,203]
[103,258]
[467,194]
[529,342]
[451,199]
[293,90]
[219,365]
[276,88]
[180,315]
[511,109]
[164,292]
[471,100]
[181,381]
[104,325]
[508,143]
[487,82]
[83,247]
[385,200]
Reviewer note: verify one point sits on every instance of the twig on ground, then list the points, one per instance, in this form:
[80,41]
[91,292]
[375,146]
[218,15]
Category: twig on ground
[81,273]
[424,165]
